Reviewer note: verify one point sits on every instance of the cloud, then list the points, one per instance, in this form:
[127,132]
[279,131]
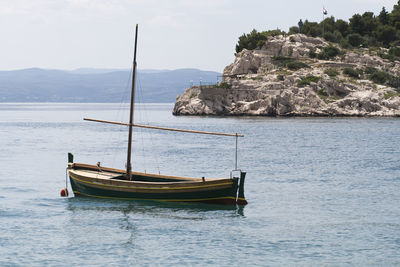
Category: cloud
[17,7]
[171,20]
[102,6]
[204,4]
[7,10]
[46,9]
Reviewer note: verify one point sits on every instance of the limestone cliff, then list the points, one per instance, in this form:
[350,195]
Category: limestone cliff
[288,76]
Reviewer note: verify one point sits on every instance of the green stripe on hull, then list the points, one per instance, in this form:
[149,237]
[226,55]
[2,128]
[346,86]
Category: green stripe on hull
[225,195]
[221,200]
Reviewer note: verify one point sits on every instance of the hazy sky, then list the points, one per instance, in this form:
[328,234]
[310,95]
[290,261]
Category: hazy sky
[69,34]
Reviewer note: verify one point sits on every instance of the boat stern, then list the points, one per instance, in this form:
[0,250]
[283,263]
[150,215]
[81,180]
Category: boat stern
[241,200]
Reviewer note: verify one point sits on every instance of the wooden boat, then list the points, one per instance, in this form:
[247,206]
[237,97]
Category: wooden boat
[103,182]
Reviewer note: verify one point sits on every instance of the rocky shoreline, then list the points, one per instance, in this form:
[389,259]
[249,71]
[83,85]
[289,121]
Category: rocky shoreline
[291,76]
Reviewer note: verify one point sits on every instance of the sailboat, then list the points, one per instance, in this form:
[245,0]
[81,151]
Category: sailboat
[104,182]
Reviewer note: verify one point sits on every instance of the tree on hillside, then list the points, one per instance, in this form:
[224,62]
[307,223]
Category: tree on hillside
[329,24]
[342,26]
[370,22]
[312,29]
[356,24]
[366,30]
[293,30]
[250,41]
[355,39]
[383,16]
[255,39]
[363,25]
[386,34]
[394,16]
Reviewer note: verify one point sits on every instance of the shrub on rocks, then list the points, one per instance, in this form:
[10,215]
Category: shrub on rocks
[384,78]
[351,72]
[224,85]
[328,52]
[332,72]
[289,63]
[307,80]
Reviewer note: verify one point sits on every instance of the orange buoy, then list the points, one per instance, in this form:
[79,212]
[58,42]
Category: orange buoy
[64,192]
[241,201]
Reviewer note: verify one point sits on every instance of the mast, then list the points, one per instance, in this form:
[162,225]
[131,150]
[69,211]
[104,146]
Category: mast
[128,162]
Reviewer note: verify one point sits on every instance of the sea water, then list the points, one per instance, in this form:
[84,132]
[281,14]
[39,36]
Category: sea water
[321,191]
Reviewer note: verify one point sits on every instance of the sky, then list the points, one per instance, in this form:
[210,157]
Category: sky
[173,34]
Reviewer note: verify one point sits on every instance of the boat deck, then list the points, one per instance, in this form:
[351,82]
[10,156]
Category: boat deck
[104,173]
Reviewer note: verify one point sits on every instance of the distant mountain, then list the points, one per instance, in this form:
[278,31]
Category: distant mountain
[97,85]
[93,70]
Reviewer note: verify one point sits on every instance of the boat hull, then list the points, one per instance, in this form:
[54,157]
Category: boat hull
[92,181]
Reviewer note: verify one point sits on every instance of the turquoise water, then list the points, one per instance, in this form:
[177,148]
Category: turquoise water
[321,191]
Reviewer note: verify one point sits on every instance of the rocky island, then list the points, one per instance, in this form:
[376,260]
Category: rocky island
[298,75]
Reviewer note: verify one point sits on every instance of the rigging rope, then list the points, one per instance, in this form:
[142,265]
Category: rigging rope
[116,136]
[140,114]
[144,117]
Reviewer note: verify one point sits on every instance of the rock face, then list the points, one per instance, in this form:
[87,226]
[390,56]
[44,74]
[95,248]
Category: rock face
[260,82]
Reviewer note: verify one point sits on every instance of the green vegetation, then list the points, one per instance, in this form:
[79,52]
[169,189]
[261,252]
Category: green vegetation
[370,70]
[289,63]
[392,55]
[328,52]
[284,72]
[255,39]
[296,65]
[280,77]
[380,77]
[307,80]
[326,98]
[366,30]
[312,53]
[332,72]
[224,85]
[391,94]
[322,93]
[384,78]
[281,61]
[351,72]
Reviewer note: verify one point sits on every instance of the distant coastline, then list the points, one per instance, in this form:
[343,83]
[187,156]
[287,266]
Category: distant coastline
[96,85]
